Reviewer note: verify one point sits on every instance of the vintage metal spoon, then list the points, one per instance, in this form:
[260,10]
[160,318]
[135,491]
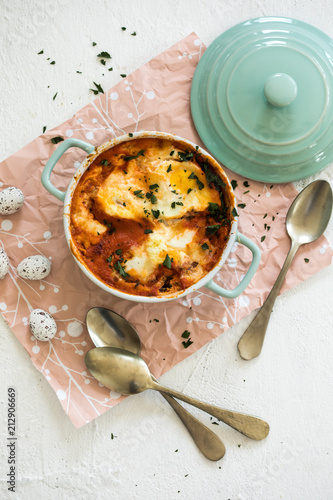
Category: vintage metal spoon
[127,373]
[107,328]
[306,221]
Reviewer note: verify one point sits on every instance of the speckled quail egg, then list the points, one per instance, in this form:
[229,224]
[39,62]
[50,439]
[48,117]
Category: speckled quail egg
[11,200]
[4,263]
[35,267]
[42,325]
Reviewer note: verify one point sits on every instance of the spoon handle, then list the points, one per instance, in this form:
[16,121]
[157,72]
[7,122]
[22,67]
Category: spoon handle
[208,443]
[252,427]
[252,340]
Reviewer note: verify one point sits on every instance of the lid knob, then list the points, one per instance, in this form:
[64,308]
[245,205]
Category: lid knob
[280,89]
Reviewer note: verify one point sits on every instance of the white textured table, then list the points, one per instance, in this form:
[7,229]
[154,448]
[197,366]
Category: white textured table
[151,456]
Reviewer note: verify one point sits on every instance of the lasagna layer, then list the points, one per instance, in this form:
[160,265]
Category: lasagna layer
[150,217]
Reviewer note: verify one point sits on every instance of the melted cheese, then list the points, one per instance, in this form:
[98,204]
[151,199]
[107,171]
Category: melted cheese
[139,218]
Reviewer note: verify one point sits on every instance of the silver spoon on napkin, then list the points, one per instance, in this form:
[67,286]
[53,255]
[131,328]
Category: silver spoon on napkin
[127,373]
[306,220]
[108,329]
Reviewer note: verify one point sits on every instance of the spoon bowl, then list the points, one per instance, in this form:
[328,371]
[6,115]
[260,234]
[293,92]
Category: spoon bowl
[310,212]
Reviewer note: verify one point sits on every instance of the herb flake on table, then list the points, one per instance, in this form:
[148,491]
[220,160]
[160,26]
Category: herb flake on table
[53,62]
[55,95]
[246,184]
[134,33]
[234,184]
[262,238]
[98,89]
[306,260]
[41,52]
[241,205]
[56,140]
[187,343]
[123,75]
[123,28]
[44,129]
[186,334]
[104,55]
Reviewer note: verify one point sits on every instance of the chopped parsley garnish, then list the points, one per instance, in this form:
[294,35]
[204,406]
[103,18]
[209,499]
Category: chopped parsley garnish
[245,192]
[55,95]
[179,203]
[147,231]
[186,334]
[153,199]
[109,259]
[118,267]
[246,184]
[204,246]
[172,153]
[123,75]
[98,89]
[123,28]
[169,168]
[167,262]
[234,184]
[53,62]
[173,204]
[44,129]
[234,212]
[103,61]
[138,193]
[154,186]
[79,72]
[57,139]
[185,155]
[118,252]
[94,44]
[130,134]
[156,213]
[134,33]
[41,52]
[264,217]
[200,184]
[189,190]
[241,205]
[263,238]
[213,208]
[104,54]
[212,176]
[133,157]
[104,162]
[306,260]
[213,229]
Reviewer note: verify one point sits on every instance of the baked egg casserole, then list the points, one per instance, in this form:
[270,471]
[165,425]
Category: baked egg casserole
[151,216]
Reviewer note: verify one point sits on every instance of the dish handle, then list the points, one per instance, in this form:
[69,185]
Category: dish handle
[46,174]
[256,254]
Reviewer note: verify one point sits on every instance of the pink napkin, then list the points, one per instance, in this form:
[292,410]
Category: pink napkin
[154,97]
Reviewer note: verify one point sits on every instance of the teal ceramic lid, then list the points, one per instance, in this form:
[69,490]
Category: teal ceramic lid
[261,99]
